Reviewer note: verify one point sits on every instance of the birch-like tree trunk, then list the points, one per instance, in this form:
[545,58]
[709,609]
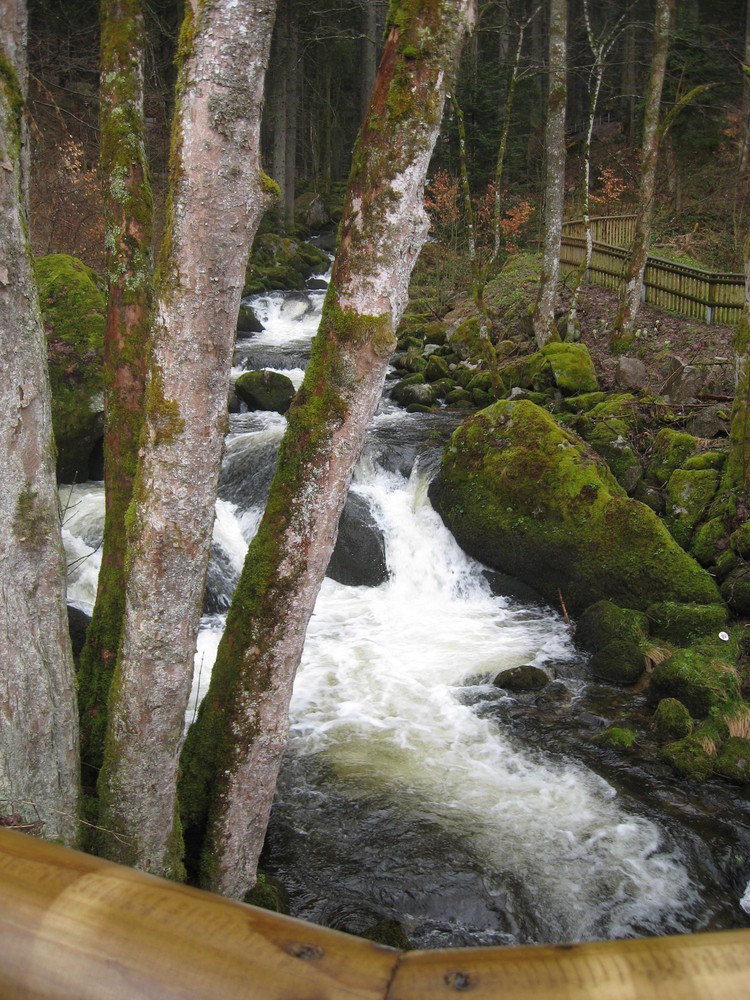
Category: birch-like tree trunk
[39,767]
[631,288]
[233,751]
[217,196]
[129,277]
[543,316]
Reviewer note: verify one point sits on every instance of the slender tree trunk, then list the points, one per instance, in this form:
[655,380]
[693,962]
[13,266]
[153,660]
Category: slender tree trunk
[217,196]
[129,276]
[632,283]
[544,309]
[233,751]
[292,108]
[745,143]
[39,766]
[738,463]
[629,85]
[278,74]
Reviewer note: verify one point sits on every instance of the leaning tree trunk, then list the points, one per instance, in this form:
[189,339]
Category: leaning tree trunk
[129,277]
[543,316]
[232,753]
[39,771]
[632,281]
[217,196]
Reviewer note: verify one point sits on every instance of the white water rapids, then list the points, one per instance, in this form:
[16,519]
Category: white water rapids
[388,713]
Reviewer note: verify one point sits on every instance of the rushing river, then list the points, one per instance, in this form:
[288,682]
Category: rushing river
[412,787]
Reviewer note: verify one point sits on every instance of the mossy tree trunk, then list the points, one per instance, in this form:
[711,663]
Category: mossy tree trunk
[39,767]
[216,199]
[129,278]
[232,753]
[738,464]
[543,316]
[631,288]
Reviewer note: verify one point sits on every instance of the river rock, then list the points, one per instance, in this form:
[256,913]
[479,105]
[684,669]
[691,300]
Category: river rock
[78,623]
[684,382]
[71,296]
[358,559]
[520,679]
[531,499]
[619,662]
[265,390]
[631,374]
[247,322]
[310,210]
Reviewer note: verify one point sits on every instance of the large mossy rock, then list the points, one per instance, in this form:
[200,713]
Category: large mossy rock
[280,262]
[703,676]
[265,390]
[531,499]
[73,311]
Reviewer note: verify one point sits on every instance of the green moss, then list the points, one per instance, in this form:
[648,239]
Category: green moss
[690,759]
[616,738]
[672,721]
[572,368]
[734,760]
[670,450]
[71,296]
[682,623]
[706,460]
[268,894]
[14,97]
[706,539]
[390,933]
[604,622]
[689,495]
[702,677]
[164,417]
[530,499]
[619,662]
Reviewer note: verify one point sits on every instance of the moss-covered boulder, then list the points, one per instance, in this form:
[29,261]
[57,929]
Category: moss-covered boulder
[690,758]
[605,622]
[414,390]
[570,367]
[682,623]
[689,494]
[531,499]
[734,760]
[268,894]
[702,677]
[735,588]
[672,721]
[265,390]
[523,678]
[73,311]
[704,546]
[247,321]
[616,738]
[390,933]
[670,450]
[619,662]
[280,262]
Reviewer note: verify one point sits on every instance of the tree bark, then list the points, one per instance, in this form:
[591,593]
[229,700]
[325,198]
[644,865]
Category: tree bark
[745,139]
[39,766]
[233,751]
[368,48]
[129,278]
[632,282]
[543,316]
[217,196]
[278,74]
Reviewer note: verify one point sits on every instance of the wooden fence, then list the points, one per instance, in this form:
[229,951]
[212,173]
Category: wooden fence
[74,927]
[712,297]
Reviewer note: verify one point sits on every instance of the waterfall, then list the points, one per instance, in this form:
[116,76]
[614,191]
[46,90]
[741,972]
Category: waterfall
[402,792]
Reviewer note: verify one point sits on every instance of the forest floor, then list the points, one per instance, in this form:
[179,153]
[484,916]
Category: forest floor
[660,337]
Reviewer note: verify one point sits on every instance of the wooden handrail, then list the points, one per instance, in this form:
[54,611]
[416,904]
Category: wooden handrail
[73,926]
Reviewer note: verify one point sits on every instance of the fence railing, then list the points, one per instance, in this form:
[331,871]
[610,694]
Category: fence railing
[712,297]
[74,926]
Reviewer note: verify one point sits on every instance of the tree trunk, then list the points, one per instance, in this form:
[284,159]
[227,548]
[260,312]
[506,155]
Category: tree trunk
[292,106]
[738,463]
[278,74]
[233,751]
[129,277]
[217,196]
[745,137]
[544,309]
[39,766]
[632,282]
